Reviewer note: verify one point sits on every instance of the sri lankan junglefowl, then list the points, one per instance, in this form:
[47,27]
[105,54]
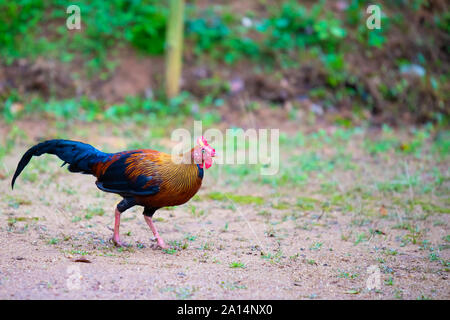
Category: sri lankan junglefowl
[144,177]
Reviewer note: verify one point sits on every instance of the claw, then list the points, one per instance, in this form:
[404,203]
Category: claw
[158,246]
[162,245]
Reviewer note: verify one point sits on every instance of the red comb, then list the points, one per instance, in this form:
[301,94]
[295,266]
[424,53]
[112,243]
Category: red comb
[202,141]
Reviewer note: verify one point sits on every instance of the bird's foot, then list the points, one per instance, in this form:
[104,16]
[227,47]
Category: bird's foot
[119,243]
[160,244]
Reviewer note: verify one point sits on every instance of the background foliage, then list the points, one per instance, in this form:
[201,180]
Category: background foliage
[322,49]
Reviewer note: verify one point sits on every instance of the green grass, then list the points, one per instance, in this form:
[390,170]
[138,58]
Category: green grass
[389,281]
[390,252]
[179,245]
[239,199]
[53,241]
[360,238]
[316,246]
[143,26]
[207,245]
[347,275]
[273,257]
[95,211]
[311,262]
[306,203]
[76,219]
[170,251]
[190,237]
[80,252]
[196,212]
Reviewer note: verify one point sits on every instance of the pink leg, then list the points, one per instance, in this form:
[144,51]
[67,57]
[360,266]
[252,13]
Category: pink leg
[116,237]
[152,226]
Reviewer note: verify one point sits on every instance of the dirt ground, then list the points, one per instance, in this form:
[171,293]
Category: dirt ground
[55,229]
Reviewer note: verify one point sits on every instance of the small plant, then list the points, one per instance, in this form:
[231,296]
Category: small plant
[206,246]
[316,246]
[360,238]
[79,252]
[265,213]
[76,219]
[434,256]
[185,292]
[423,297]
[270,232]
[390,252]
[190,237]
[95,211]
[389,281]
[231,285]
[347,275]
[273,258]
[180,293]
[346,236]
[235,265]
[53,241]
[398,294]
[196,213]
[140,245]
[170,251]
[176,244]
[413,236]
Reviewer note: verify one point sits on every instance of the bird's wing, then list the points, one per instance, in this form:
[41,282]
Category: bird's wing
[129,173]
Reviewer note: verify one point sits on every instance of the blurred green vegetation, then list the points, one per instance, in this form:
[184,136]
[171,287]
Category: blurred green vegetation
[278,39]
[26,29]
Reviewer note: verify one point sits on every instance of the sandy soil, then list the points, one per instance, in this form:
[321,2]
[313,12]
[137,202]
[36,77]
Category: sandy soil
[224,250]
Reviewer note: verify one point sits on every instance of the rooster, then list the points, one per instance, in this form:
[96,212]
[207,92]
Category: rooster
[141,177]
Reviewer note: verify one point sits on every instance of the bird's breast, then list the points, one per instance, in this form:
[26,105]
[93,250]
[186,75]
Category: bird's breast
[175,189]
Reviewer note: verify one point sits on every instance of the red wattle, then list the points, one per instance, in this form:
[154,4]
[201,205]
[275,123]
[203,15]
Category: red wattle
[208,163]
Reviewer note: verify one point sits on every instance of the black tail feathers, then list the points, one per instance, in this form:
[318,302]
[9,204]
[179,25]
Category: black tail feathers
[80,156]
